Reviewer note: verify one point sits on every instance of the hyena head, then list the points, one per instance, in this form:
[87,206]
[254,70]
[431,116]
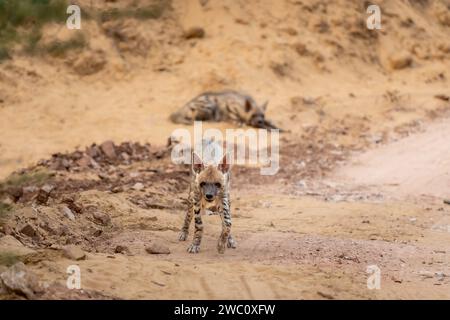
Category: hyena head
[255,113]
[212,179]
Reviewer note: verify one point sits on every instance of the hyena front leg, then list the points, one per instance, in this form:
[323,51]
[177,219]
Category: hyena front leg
[225,236]
[195,246]
[231,243]
[187,222]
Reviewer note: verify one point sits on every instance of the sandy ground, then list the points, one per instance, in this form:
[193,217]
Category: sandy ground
[364,170]
[417,165]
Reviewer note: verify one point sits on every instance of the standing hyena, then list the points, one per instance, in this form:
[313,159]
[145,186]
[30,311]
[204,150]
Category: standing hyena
[209,189]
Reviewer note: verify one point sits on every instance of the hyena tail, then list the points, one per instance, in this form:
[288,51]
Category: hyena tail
[178,117]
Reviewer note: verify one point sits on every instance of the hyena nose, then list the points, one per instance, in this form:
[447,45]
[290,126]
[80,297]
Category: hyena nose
[209,196]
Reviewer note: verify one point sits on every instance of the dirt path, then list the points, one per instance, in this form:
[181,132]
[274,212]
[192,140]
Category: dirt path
[414,166]
[303,248]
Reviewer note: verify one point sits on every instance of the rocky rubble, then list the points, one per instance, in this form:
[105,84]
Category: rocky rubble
[18,282]
[99,156]
[53,212]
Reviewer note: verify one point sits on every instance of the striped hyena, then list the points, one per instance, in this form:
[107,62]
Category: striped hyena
[223,106]
[209,190]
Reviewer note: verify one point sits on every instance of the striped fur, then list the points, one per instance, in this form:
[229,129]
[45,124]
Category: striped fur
[223,106]
[209,190]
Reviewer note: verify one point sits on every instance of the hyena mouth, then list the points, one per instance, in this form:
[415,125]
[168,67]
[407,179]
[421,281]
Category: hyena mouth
[209,200]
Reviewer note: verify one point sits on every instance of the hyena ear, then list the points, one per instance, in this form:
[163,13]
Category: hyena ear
[224,165]
[248,105]
[264,106]
[197,163]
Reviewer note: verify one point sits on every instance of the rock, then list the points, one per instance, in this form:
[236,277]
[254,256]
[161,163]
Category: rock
[15,193]
[102,218]
[47,188]
[325,295]
[440,275]
[426,274]
[138,186]
[10,245]
[19,280]
[400,60]
[3,288]
[125,156]
[97,232]
[62,230]
[85,161]
[157,248]
[7,229]
[93,151]
[30,189]
[117,189]
[194,32]
[74,253]
[58,163]
[121,249]
[103,175]
[44,194]
[108,149]
[28,230]
[68,213]
[134,174]
[72,205]
[447,201]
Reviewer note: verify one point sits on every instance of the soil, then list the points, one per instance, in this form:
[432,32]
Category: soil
[364,165]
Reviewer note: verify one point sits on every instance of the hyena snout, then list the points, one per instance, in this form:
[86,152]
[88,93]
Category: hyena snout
[257,121]
[209,196]
[210,190]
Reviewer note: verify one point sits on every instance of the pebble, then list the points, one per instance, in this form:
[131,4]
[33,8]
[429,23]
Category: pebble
[138,186]
[68,213]
[157,248]
[74,253]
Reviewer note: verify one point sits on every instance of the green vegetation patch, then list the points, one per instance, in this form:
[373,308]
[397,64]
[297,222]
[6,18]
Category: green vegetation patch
[8,258]
[19,180]
[59,48]
[5,209]
[17,16]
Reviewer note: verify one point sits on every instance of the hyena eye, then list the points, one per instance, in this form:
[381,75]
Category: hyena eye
[218,185]
[202,184]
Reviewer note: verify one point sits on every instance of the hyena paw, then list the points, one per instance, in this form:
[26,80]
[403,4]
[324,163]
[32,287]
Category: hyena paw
[221,246]
[193,248]
[183,236]
[231,243]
